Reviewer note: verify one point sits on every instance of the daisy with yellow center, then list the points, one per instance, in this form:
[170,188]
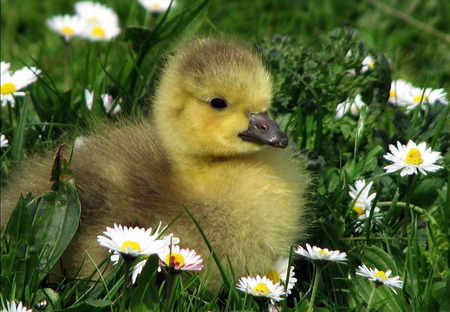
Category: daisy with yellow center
[377,218]
[421,97]
[405,94]
[363,204]
[155,234]
[368,64]
[360,194]
[102,23]
[261,287]
[380,277]
[400,92]
[133,242]
[67,26]
[14,307]
[104,31]
[177,259]
[280,273]
[13,82]
[156,6]
[412,158]
[319,255]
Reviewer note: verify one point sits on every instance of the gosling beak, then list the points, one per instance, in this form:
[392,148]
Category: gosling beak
[263,130]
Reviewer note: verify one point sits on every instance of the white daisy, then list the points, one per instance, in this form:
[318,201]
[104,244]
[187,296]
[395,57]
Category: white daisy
[380,277]
[13,307]
[350,105]
[156,6]
[400,92]
[363,204]
[5,142]
[436,95]
[13,82]
[67,26]
[108,103]
[418,96]
[104,31]
[368,63]
[102,23]
[261,287]
[360,194]
[405,94]
[94,12]
[279,273]
[134,241]
[5,67]
[377,217]
[412,158]
[89,98]
[319,255]
[178,259]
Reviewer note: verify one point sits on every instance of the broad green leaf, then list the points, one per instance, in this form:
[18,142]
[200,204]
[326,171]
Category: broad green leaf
[39,230]
[91,305]
[385,299]
[146,296]
[57,215]
[375,257]
[20,261]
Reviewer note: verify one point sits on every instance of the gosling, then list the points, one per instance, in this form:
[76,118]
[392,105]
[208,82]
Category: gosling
[210,145]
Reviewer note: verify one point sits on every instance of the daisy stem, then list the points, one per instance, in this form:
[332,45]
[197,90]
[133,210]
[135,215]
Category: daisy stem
[66,65]
[408,200]
[262,303]
[315,286]
[125,284]
[372,295]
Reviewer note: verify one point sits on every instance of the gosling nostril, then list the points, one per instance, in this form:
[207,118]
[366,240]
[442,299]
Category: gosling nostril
[263,128]
[283,143]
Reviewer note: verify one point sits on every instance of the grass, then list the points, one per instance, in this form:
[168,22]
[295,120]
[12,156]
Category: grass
[305,46]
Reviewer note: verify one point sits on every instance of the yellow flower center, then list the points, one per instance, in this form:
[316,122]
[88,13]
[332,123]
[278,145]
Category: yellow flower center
[8,88]
[175,260]
[261,288]
[420,98]
[372,65]
[381,274]
[130,244]
[67,31]
[98,31]
[392,93]
[321,251]
[156,6]
[413,157]
[274,276]
[358,209]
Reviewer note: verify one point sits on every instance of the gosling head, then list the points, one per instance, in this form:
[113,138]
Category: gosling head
[213,101]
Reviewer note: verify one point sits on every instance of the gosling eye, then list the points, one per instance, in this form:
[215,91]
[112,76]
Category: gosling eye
[218,103]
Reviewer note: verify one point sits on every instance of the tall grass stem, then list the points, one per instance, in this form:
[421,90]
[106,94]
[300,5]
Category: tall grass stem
[372,295]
